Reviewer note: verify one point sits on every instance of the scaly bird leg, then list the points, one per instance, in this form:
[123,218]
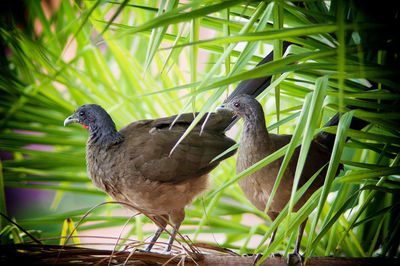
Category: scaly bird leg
[171,240]
[259,255]
[272,237]
[296,251]
[161,226]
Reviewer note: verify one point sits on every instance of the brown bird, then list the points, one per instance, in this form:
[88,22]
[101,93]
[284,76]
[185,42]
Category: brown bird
[134,165]
[256,143]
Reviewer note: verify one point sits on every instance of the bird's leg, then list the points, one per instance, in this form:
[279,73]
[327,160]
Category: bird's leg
[296,251]
[272,240]
[171,239]
[177,216]
[259,255]
[161,226]
[272,237]
[154,239]
[273,216]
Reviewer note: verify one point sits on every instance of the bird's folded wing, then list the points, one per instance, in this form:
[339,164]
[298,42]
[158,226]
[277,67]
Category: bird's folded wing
[149,145]
[216,122]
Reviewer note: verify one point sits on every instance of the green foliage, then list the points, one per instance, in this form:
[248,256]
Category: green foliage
[146,59]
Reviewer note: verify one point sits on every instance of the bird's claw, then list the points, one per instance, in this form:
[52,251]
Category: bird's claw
[258,256]
[166,252]
[143,250]
[298,256]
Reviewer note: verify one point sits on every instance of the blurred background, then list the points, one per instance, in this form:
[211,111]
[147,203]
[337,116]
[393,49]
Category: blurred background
[148,59]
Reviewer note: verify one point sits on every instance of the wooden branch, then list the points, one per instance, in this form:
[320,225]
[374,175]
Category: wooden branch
[56,255]
[313,261]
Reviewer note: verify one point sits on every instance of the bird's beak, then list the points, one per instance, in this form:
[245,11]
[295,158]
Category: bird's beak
[223,108]
[71,119]
[226,108]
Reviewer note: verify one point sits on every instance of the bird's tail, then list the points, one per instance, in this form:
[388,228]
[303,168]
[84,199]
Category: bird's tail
[254,87]
[328,139]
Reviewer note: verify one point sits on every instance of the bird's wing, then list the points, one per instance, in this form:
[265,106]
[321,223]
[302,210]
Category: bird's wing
[148,144]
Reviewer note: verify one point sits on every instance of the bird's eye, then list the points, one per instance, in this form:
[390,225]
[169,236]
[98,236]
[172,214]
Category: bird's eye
[81,113]
[237,105]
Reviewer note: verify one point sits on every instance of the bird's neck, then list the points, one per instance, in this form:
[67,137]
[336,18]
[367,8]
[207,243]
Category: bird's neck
[254,130]
[105,135]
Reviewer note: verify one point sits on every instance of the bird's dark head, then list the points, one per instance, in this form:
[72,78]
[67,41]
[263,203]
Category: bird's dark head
[89,116]
[98,121]
[243,106]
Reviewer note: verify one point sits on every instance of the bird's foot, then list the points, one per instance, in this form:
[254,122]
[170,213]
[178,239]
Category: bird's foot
[166,252]
[298,257]
[142,250]
[146,250]
[248,255]
[257,257]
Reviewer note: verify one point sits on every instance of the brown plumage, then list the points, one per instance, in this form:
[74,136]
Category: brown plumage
[256,144]
[134,165]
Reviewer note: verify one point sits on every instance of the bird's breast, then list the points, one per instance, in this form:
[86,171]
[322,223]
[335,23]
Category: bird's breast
[104,169]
